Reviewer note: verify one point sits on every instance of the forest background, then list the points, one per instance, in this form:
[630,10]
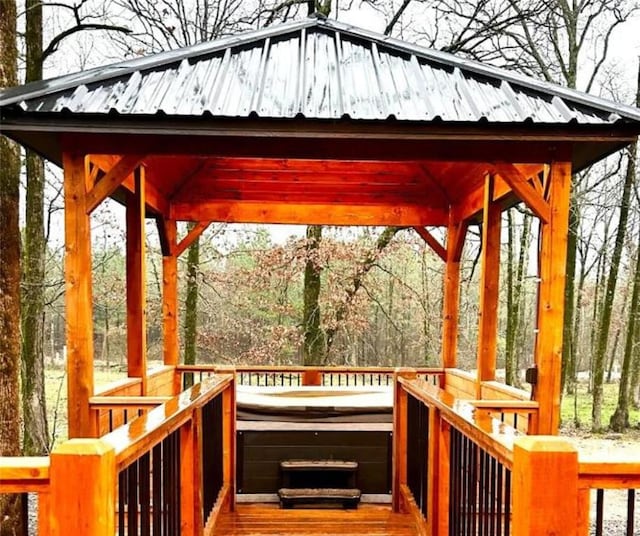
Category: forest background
[320,295]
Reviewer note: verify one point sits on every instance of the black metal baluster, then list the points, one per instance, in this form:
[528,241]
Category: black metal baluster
[631,500]
[156,476]
[122,501]
[145,496]
[599,511]
[453,483]
[499,495]
[507,503]
[132,499]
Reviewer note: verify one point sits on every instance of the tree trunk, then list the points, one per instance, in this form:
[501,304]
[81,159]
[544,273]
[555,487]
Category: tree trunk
[365,266]
[620,419]
[313,350]
[11,522]
[605,318]
[191,306]
[569,344]
[36,435]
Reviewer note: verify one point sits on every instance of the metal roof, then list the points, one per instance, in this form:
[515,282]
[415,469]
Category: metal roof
[314,68]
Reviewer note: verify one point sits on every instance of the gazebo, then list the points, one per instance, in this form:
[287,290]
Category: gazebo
[315,122]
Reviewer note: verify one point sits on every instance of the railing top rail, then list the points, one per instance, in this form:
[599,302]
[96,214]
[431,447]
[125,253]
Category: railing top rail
[20,474]
[128,401]
[620,471]
[144,432]
[493,436]
[297,368]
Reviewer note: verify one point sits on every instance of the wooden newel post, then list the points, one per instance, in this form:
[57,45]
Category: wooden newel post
[399,436]
[312,376]
[229,442]
[82,488]
[545,487]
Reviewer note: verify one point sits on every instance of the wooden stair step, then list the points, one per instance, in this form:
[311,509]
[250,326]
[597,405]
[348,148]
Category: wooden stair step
[348,497]
[318,465]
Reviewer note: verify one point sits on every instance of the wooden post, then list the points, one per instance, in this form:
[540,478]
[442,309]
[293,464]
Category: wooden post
[489,287]
[553,257]
[170,298]
[399,456]
[311,376]
[545,487]
[456,233]
[229,441]
[136,282]
[78,297]
[190,487]
[441,524]
[82,488]
[433,474]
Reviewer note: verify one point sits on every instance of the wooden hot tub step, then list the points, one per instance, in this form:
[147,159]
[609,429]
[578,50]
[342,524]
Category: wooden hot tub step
[319,465]
[347,497]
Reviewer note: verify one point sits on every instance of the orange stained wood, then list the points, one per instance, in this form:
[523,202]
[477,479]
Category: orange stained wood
[456,233]
[113,178]
[136,282]
[267,520]
[170,345]
[553,258]
[78,297]
[489,286]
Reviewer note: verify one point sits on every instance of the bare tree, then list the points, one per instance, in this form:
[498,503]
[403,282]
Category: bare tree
[10,505]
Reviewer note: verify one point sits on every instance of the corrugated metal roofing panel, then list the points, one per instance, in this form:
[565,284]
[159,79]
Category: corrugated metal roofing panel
[320,69]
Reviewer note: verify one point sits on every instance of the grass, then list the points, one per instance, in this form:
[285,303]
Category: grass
[56,395]
[582,411]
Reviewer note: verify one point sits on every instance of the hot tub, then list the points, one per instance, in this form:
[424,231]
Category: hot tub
[284,423]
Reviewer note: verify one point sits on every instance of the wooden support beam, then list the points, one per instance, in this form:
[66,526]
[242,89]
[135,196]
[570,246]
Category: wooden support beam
[399,454]
[136,283]
[489,287]
[436,246]
[170,338]
[155,199]
[82,488]
[308,213]
[553,258]
[114,177]
[549,463]
[190,519]
[194,233]
[456,233]
[441,525]
[78,298]
[524,190]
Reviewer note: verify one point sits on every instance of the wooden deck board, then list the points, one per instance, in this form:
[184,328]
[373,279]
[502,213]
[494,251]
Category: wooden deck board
[269,520]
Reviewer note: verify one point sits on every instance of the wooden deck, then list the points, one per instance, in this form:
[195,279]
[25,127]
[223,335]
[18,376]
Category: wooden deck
[269,520]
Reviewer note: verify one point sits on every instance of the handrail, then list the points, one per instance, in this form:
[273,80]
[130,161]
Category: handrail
[19,474]
[127,401]
[490,434]
[300,368]
[147,430]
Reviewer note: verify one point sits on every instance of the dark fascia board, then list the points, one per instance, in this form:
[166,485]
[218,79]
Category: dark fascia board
[16,95]
[43,132]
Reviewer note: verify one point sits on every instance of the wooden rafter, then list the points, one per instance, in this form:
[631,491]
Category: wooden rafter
[524,190]
[113,178]
[436,246]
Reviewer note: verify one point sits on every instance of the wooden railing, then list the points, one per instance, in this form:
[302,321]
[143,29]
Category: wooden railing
[169,471]
[462,472]
[28,475]
[618,475]
[291,376]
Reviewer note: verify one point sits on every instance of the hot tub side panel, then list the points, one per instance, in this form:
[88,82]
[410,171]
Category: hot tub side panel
[260,454]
